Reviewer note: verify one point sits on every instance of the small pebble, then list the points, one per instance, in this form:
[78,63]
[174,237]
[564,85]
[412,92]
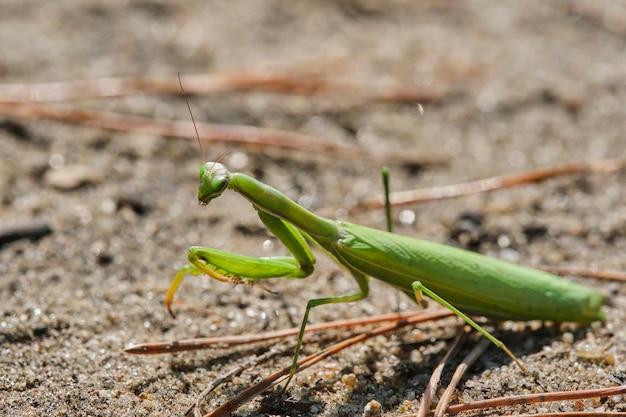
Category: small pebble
[405,406]
[589,351]
[349,380]
[568,337]
[372,409]
[72,176]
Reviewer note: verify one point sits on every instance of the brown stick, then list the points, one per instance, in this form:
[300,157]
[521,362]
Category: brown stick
[211,342]
[202,84]
[535,398]
[403,198]
[444,401]
[610,274]
[572,414]
[277,377]
[209,132]
[435,377]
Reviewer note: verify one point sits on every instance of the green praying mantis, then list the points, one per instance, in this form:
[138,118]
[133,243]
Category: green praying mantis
[462,281]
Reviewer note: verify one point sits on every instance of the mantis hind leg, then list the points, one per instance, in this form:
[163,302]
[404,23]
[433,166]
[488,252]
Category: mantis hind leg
[419,289]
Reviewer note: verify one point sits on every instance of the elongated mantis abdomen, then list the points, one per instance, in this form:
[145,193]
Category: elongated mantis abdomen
[473,283]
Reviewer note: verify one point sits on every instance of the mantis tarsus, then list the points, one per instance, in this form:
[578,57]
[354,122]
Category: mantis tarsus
[460,280]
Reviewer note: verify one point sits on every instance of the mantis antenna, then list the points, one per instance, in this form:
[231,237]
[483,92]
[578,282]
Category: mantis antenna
[193,120]
[182,91]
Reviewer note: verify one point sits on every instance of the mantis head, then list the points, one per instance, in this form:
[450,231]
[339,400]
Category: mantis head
[213,182]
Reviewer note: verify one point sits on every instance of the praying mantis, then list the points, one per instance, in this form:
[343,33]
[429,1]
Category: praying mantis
[462,281]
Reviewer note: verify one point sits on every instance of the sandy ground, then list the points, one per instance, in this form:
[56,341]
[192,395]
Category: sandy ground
[526,85]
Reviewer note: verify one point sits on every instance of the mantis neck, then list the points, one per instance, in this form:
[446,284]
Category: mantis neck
[270,200]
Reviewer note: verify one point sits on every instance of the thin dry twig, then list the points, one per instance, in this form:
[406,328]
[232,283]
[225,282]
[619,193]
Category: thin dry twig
[201,84]
[221,341]
[228,375]
[609,274]
[403,198]
[279,376]
[435,377]
[572,414]
[535,398]
[209,132]
[444,401]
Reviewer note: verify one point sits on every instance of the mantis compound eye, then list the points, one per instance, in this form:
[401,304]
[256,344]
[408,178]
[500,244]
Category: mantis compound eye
[213,182]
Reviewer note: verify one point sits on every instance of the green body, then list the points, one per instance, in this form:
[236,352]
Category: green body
[474,283]
[462,281]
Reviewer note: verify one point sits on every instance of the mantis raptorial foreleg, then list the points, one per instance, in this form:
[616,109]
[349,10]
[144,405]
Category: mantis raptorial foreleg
[229,267]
